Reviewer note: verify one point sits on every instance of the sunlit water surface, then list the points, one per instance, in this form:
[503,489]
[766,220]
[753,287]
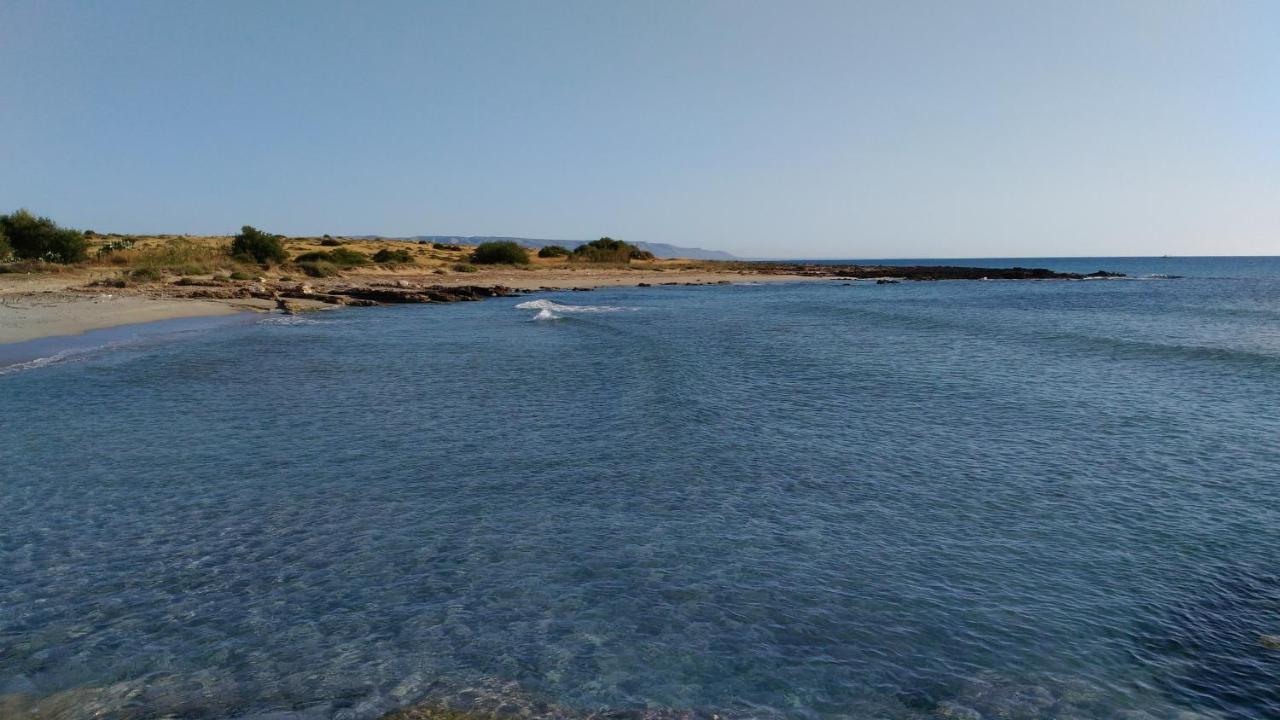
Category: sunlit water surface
[949,499]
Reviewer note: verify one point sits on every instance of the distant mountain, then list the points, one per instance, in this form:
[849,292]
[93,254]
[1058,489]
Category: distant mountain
[662,250]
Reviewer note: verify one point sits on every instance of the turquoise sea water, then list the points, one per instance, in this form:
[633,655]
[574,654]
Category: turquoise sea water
[811,500]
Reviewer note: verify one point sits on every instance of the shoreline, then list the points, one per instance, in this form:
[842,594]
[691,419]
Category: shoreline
[28,318]
[60,306]
[67,304]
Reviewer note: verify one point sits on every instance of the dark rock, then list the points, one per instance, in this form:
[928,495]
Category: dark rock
[921,272]
[432,294]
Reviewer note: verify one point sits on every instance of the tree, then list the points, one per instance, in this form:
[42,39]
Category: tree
[259,246]
[5,250]
[39,238]
[500,252]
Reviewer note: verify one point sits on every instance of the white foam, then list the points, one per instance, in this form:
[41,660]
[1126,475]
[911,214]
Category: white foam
[547,309]
[291,320]
[37,363]
[58,357]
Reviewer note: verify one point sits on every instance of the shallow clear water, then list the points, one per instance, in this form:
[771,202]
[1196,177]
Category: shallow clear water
[1011,499]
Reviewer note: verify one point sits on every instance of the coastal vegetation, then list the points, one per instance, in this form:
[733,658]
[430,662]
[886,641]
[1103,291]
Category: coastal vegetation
[386,256]
[258,246]
[342,257]
[256,261]
[609,250]
[27,237]
[553,251]
[500,252]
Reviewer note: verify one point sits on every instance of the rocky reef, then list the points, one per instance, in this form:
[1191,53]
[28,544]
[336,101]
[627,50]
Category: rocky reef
[926,272]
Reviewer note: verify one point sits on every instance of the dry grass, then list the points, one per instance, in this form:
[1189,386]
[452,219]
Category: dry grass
[190,255]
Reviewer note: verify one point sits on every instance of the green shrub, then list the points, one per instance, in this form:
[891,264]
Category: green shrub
[464,267]
[6,252]
[262,247]
[330,242]
[551,251]
[346,257]
[146,275]
[31,237]
[606,249]
[240,275]
[342,257]
[392,257]
[447,246]
[319,268]
[501,252]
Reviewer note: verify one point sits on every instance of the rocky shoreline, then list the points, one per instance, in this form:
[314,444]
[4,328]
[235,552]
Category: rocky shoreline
[45,305]
[926,272]
[291,296]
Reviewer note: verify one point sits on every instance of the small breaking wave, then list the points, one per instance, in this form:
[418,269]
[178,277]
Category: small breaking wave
[38,362]
[291,320]
[61,356]
[550,310]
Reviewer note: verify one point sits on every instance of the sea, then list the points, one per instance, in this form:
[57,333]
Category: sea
[830,499]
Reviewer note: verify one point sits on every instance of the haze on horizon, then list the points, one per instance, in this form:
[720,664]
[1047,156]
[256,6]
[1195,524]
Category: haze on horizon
[813,129]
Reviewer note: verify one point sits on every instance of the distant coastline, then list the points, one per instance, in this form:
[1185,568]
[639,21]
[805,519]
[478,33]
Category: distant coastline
[137,279]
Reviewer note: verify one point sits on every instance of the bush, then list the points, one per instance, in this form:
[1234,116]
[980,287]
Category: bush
[330,242]
[240,275]
[606,249]
[447,246]
[146,275]
[342,257]
[503,252]
[6,252]
[551,251]
[392,257]
[30,237]
[463,267]
[319,268]
[262,247]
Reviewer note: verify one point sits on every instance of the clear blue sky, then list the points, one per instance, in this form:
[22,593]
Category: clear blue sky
[841,129]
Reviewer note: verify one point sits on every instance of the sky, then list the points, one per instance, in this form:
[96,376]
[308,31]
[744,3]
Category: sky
[768,129]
